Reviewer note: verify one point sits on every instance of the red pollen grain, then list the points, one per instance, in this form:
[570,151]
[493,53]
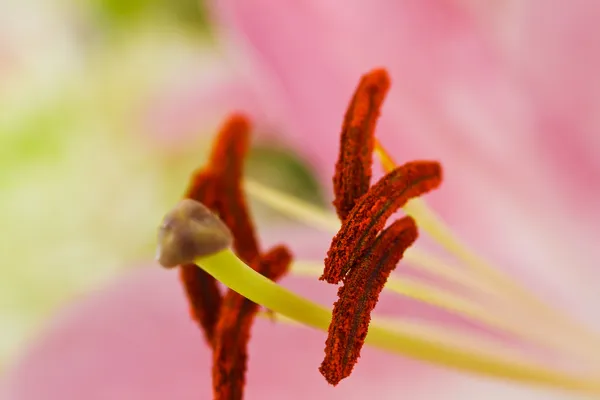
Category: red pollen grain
[358,297]
[353,168]
[230,353]
[371,212]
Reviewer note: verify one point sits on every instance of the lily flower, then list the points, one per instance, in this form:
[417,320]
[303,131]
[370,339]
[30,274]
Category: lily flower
[362,257]
[537,338]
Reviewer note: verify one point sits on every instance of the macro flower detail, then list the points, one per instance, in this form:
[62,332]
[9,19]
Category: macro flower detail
[360,255]
[353,169]
[492,289]
[226,320]
[358,297]
[233,329]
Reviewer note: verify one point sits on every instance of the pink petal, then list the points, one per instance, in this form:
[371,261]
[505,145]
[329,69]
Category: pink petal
[195,99]
[455,83]
[519,156]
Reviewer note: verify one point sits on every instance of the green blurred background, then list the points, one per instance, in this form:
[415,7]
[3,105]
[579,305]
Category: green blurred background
[82,185]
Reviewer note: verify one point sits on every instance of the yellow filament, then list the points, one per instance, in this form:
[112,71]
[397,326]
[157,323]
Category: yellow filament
[562,333]
[439,346]
[437,267]
[429,331]
[291,206]
[491,282]
[497,316]
[438,230]
[325,220]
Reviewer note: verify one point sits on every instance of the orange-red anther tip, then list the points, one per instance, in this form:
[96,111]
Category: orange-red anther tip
[232,141]
[235,124]
[237,121]
[353,168]
[378,77]
[372,87]
[368,97]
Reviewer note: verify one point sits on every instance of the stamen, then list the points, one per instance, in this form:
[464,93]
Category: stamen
[321,219]
[491,314]
[423,292]
[353,168]
[358,297]
[371,212]
[207,186]
[487,273]
[227,163]
[459,340]
[468,354]
[362,255]
[237,313]
[233,330]
[442,347]
[385,158]
[226,322]
[434,226]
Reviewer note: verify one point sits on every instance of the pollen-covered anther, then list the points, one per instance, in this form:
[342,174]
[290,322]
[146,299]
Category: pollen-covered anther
[373,209]
[227,164]
[358,297]
[361,255]
[353,168]
[226,320]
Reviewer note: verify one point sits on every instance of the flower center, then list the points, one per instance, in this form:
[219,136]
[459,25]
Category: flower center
[362,256]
